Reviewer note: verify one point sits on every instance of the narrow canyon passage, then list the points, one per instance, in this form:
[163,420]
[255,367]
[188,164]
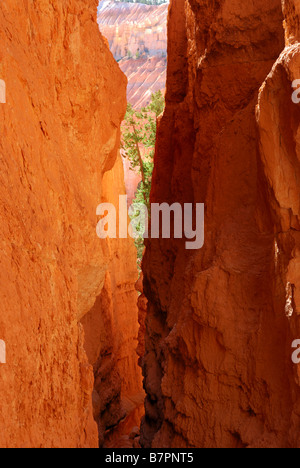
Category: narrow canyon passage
[197,353]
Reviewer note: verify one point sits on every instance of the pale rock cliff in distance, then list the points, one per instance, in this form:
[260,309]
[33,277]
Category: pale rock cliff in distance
[137,36]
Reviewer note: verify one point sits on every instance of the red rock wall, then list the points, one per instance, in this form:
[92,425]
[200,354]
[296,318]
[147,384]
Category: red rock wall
[59,139]
[217,367]
[278,118]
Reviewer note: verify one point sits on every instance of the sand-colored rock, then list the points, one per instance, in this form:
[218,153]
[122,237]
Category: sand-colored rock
[59,140]
[217,367]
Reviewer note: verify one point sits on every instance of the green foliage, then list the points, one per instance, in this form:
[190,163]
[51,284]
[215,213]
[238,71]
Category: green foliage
[138,145]
[157,104]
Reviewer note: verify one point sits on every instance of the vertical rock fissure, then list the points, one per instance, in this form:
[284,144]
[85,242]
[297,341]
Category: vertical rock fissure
[111,324]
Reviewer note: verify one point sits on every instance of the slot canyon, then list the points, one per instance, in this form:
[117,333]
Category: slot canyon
[196,352]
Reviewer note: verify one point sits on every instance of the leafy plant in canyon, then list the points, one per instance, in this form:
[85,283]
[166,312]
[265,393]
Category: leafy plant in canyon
[138,146]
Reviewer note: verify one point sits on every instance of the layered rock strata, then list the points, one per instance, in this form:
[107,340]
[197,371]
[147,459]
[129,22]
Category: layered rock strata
[137,36]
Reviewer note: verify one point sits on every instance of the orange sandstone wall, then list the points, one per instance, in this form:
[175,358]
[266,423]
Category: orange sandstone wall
[59,139]
[217,366]
[111,329]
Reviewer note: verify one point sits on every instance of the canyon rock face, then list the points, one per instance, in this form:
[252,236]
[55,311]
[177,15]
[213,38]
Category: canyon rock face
[221,320]
[111,329]
[59,140]
[278,117]
[137,36]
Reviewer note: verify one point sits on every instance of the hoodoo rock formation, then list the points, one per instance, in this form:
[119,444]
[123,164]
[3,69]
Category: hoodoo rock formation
[221,320]
[67,298]
[137,36]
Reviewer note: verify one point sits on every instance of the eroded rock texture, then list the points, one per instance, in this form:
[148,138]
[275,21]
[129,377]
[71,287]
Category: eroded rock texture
[59,140]
[111,329]
[217,367]
[278,118]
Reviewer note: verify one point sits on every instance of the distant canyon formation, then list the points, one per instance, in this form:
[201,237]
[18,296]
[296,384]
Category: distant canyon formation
[137,36]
